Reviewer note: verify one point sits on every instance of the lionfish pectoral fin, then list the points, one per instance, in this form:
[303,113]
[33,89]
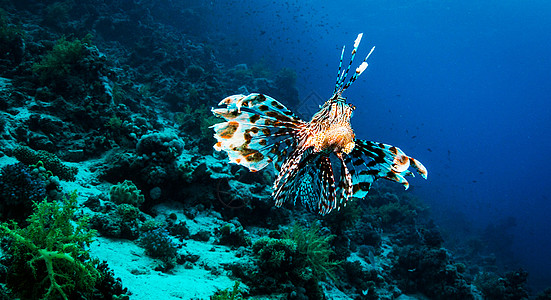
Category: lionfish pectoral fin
[257,131]
[371,160]
[419,167]
[398,178]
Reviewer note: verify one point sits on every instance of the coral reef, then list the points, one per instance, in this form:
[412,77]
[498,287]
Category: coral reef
[19,189]
[50,161]
[158,244]
[297,261]
[511,286]
[432,272]
[126,193]
[233,235]
[276,255]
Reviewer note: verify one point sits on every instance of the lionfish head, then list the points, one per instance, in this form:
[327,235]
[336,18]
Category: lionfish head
[336,106]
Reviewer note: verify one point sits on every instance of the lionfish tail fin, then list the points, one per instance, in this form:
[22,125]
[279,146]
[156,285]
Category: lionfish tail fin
[258,130]
[370,161]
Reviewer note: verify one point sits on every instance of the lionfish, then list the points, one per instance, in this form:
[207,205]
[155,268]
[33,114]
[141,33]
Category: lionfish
[259,130]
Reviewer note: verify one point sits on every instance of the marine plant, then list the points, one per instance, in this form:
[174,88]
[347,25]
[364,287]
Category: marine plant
[12,45]
[48,258]
[395,213]
[346,217]
[58,11]
[115,123]
[242,73]
[160,147]
[314,249]
[303,253]
[62,60]
[232,293]
[7,32]
[390,209]
[286,78]
[194,72]
[150,224]
[262,69]
[128,212]
[544,295]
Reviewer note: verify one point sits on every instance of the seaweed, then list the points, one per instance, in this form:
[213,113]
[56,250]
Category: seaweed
[314,249]
[228,294]
[62,60]
[48,258]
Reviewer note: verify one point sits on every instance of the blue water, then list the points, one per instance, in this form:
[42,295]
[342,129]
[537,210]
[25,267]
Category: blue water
[463,86]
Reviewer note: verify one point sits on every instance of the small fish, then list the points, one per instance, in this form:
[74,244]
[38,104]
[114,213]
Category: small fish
[259,130]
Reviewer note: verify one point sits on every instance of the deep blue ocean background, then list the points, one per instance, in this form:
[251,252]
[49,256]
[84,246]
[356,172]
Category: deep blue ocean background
[113,100]
[463,86]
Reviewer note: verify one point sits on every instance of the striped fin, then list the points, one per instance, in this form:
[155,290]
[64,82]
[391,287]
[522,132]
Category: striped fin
[359,70]
[340,86]
[370,161]
[328,199]
[286,182]
[338,82]
[258,103]
[257,131]
[311,183]
[342,78]
[345,183]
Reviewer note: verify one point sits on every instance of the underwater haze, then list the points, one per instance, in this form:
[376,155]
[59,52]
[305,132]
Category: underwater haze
[463,86]
[129,171]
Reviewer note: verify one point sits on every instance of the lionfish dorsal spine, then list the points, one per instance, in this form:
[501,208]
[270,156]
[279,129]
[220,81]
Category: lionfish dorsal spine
[359,70]
[340,85]
[339,75]
[342,78]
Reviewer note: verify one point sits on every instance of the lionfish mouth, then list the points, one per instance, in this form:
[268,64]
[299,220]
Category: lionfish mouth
[258,130]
